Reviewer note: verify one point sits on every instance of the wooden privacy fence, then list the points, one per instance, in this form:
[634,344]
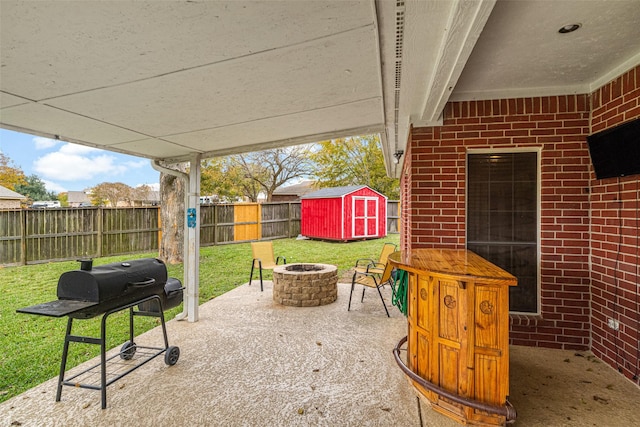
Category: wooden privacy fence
[244,222]
[41,235]
[36,236]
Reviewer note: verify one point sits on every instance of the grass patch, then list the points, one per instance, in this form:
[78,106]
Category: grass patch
[33,344]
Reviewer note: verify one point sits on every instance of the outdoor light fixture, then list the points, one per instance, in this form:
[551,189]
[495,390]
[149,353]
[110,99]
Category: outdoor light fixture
[569,28]
[397,155]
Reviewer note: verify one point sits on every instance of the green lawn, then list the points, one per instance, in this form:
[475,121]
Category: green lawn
[32,345]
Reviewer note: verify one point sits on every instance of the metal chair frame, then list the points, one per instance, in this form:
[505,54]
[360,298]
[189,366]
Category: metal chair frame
[368,265]
[263,255]
[372,280]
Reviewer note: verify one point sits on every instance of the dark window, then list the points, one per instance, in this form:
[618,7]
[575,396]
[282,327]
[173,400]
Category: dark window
[502,219]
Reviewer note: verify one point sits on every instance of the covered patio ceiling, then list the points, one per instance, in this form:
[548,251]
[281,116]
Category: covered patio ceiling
[168,80]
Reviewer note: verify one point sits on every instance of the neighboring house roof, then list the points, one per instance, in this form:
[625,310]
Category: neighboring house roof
[333,192]
[5,193]
[77,197]
[299,189]
[152,196]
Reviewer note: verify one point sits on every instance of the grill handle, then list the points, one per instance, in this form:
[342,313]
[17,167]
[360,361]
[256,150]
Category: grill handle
[175,291]
[142,284]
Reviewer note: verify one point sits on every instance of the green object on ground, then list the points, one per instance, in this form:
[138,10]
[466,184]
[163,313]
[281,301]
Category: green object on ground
[400,286]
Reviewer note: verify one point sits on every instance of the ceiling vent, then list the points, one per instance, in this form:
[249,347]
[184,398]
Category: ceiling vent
[400,9]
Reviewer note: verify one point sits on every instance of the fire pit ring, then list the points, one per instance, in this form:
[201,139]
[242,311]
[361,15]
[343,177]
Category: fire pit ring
[305,285]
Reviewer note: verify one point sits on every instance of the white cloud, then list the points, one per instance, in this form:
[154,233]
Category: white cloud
[44,143]
[52,186]
[76,162]
[136,164]
[82,166]
[72,167]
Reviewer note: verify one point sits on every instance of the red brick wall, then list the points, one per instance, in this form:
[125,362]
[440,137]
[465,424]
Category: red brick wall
[615,237]
[559,126]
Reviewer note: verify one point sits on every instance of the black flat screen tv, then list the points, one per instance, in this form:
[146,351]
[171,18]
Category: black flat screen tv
[615,152]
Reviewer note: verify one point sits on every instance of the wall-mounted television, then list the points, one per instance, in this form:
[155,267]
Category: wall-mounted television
[616,151]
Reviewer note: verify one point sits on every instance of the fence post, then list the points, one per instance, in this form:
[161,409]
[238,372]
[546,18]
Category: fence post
[99,218]
[215,224]
[23,237]
[158,214]
[259,220]
[289,221]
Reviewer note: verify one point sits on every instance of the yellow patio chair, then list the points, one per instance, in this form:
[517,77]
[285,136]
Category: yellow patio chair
[372,280]
[263,258]
[368,265]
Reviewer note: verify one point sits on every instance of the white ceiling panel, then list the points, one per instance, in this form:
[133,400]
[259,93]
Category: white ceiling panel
[308,126]
[155,149]
[49,122]
[521,52]
[319,74]
[166,79]
[7,100]
[56,48]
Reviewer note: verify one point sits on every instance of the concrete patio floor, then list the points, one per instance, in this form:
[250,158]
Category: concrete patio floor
[251,362]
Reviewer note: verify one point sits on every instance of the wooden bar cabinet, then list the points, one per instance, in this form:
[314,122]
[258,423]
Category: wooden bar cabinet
[458,333]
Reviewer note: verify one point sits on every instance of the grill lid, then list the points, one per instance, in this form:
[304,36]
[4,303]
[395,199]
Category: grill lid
[118,280]
[94,290]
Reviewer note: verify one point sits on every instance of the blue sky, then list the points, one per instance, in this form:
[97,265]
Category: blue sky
[72,167]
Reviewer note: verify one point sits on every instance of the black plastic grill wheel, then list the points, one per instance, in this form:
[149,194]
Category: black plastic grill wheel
[172,355]
[127,350]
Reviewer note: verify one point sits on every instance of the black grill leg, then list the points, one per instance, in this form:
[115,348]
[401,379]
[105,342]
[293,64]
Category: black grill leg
[63,363]
[103,360]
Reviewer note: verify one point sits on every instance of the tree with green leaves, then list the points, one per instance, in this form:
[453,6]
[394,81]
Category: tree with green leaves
[248,175]
[64,199]
[354,161]
[35,189]
[220,177]
[10,175]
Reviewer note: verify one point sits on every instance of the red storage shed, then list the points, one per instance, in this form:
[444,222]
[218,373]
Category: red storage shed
[344,213]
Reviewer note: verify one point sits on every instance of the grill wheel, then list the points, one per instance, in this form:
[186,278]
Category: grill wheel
[127,350]
[171,355]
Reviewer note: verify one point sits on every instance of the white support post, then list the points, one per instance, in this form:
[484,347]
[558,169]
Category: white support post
[192,241]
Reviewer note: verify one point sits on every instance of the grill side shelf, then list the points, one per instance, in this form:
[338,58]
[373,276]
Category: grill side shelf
[57,308]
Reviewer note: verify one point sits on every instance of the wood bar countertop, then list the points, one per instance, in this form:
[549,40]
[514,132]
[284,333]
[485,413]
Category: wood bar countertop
[460,263]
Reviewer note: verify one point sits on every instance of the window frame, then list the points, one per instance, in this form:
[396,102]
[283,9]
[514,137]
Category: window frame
[512,150]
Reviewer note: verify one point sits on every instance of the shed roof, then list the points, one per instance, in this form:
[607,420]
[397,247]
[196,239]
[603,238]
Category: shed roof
[5,193]
[336,192]
[151,196]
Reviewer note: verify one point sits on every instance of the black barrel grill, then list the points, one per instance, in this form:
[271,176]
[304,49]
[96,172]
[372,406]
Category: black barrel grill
[141,285]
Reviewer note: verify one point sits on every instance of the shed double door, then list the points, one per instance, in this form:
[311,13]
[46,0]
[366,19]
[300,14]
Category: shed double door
[365,217]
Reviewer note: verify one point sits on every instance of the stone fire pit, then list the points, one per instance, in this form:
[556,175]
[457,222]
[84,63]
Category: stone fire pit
[305,285]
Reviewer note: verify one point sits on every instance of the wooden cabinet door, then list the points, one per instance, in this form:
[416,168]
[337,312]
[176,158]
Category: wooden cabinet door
[491,364]
[451,338]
